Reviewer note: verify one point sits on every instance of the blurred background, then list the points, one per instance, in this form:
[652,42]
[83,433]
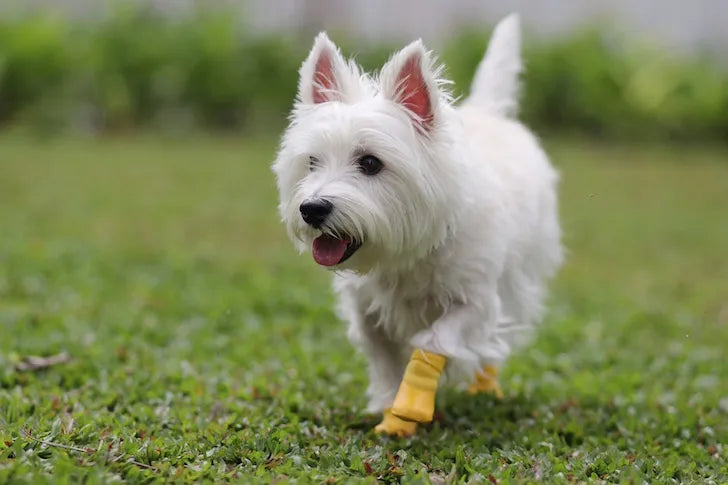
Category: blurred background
[617,69]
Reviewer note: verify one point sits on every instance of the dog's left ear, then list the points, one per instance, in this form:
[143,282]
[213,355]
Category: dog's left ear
[409,79]
[324,75]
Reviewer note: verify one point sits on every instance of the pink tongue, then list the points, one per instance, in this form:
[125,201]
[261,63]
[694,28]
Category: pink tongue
[327,250]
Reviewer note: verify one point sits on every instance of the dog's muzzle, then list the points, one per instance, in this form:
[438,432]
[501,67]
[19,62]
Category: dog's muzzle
[328,250]
[315,211]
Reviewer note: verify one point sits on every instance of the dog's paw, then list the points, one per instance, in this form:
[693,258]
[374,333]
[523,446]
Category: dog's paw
[486,382]
[394,426]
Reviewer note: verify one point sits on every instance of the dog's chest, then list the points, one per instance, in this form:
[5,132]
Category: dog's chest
[402,305]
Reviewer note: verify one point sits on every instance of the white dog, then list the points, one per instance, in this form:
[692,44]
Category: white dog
[439,221]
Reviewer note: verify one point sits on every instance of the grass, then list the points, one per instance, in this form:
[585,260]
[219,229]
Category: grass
[203,348]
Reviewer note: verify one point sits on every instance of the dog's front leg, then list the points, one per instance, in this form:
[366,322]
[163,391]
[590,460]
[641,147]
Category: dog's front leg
[386,365]
[415,399]
[451,335]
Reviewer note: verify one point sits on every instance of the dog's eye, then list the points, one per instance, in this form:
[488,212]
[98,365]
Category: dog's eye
[313,162]
[370,165]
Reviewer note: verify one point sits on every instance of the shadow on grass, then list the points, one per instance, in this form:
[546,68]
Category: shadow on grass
[488,423]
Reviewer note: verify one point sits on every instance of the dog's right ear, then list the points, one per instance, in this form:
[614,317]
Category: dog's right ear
[323,73]
[409,79]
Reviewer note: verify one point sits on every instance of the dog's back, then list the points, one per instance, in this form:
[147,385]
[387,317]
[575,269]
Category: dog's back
[516,159]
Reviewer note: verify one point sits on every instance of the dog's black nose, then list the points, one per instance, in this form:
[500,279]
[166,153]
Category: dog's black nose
[315,211]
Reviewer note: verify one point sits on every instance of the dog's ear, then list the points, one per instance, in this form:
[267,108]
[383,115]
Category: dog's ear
[409,79]
[322,75]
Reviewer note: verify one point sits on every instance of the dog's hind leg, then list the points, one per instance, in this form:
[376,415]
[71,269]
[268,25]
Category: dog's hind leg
[486,381]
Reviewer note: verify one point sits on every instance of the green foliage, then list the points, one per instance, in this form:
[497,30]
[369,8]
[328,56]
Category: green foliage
[606,88]
[203,348]
[35,58]
[136,68]
[594,84]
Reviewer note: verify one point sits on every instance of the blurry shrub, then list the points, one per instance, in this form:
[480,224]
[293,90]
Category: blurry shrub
[203,70]
[136,68]
[591,83]
[129,67]
[35,59]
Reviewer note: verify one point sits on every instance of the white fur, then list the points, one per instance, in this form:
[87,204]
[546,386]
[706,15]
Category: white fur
[460,229]
[495,85]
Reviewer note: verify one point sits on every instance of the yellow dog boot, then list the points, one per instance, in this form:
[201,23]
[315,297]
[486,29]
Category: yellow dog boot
[486,381]
[415,400]
[394,426]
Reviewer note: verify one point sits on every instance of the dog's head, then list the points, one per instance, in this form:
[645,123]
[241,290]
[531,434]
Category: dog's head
[364,171]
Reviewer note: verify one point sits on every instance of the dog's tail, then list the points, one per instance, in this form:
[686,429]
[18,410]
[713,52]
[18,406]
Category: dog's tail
[496,83]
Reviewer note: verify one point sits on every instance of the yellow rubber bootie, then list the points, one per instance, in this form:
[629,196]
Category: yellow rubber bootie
[486,381]
[394,426]
[415,400]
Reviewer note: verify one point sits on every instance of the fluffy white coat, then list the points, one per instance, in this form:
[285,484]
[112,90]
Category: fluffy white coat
[459,231]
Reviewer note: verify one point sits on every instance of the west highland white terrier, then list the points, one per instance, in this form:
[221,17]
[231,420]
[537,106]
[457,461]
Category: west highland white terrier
[439,221]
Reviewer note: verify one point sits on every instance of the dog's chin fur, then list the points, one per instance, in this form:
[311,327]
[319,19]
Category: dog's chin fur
[459,231]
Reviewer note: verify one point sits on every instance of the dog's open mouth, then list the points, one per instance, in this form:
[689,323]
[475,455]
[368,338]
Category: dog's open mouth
[330,251]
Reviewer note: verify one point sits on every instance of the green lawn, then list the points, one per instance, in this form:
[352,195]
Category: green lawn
[202,347]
